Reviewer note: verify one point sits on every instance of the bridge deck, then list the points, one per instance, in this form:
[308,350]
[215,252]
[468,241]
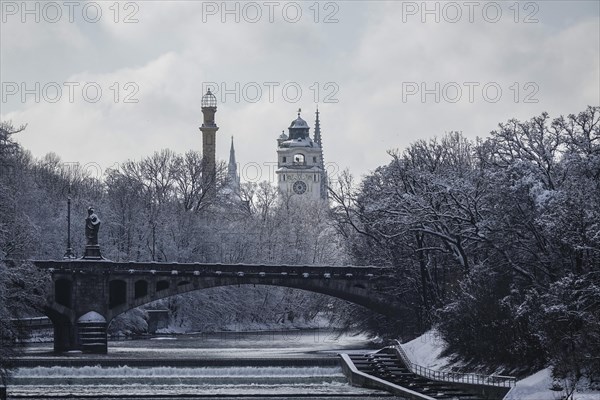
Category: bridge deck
[208,268]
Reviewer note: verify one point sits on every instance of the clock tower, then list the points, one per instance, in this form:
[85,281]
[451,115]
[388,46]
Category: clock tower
[300,168]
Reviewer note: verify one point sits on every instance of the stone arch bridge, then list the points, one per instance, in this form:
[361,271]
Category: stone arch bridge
[87,294]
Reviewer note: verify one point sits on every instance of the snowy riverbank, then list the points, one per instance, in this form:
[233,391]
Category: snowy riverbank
[426,351]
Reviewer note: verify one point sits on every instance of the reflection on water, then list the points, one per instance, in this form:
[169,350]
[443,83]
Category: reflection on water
[215,345]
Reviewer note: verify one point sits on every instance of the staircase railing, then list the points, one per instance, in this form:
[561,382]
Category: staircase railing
[447,376]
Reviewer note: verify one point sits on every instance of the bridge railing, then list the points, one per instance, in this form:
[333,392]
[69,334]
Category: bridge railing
[458,377]
[369,273]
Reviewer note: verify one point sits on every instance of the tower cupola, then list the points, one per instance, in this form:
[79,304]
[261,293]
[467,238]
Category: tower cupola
[298,128]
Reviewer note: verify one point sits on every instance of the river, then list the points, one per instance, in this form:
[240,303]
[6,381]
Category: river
[223,365]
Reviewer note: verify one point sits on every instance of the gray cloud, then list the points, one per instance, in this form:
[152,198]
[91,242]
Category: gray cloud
[370,55]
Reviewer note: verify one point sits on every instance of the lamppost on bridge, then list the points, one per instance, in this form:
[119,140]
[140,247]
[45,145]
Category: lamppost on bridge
[69,253]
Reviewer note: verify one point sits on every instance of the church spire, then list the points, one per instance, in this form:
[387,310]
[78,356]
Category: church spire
[232,173]
[318,140]
[318,129]
[232,162]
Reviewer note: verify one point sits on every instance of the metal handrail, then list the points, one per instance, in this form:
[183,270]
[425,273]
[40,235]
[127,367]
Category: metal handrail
[446,376]
[405,359]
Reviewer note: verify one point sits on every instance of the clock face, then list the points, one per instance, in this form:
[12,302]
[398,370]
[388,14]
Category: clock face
[299,187]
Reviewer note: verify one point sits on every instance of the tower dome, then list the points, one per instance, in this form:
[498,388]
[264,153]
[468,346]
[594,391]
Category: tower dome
[299,123]
[298,128]
[209,100]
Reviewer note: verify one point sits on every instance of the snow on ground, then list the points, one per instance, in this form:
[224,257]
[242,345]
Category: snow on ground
[536,387]
[426,349]
[92,316]
[319,322]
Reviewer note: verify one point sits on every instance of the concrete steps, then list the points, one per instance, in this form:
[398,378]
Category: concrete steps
[386,365]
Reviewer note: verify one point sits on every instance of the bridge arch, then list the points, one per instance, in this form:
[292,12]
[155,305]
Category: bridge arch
[286,303]
[354,293]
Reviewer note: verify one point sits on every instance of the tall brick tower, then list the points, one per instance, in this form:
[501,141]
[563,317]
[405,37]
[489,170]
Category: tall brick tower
[209,129]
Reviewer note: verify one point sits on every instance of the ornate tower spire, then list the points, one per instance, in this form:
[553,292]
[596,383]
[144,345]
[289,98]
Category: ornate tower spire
[318,129]
[232,163]
[209,129]
[234,178]
[318,140]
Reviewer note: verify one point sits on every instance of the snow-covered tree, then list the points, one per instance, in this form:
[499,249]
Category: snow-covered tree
[472,227]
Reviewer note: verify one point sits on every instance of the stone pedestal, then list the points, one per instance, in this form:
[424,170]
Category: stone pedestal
[92,252]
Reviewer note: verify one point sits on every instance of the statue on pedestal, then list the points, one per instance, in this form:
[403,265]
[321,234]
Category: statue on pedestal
[92,225]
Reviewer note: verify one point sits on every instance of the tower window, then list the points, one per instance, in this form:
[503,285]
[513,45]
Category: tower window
[315,160]
[284,159]
[299,159]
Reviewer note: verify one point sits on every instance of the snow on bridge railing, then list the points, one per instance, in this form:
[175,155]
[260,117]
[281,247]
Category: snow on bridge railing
[447,376]
[141,267]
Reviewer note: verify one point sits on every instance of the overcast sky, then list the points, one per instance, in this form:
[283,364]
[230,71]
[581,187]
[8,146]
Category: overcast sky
[366,64]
